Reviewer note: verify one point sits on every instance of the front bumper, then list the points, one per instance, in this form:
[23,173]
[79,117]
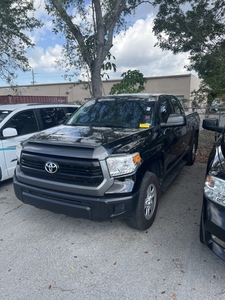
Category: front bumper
[213,227]
[75,205]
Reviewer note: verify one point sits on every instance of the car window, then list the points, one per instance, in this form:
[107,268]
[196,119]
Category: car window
[52,116]
[165,109]
[111,112]
[24,122]
[177,106]
[71,109]
[3,114]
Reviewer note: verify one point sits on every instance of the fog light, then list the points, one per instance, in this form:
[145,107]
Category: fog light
[125,186]
[119,208]
[218,241]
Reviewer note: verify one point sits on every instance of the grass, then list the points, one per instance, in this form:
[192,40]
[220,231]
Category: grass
[205,144]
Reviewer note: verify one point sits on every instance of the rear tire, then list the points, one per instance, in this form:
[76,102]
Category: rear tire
[190,157]
[147,205]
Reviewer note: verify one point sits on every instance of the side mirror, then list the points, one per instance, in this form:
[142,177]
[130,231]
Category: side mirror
[212,124]
[9,132]
[175,120]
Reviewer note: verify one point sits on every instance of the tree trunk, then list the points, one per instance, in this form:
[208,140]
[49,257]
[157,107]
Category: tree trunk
[94,47]
[96,80]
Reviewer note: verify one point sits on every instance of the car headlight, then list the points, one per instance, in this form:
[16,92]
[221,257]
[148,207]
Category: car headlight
[214,189]
[19,148]
[124,164]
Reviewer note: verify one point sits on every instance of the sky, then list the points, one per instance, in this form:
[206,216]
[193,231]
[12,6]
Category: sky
[133,49]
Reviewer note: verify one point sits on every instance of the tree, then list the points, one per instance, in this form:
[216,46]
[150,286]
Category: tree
[107,65]
[14,22]
[202,95]
[132,82]
[88,28]
[198,27]
[211,68]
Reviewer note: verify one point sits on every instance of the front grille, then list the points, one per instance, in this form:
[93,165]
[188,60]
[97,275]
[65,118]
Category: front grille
[85,172]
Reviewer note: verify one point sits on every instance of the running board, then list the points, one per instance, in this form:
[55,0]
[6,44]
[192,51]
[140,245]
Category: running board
[172,175]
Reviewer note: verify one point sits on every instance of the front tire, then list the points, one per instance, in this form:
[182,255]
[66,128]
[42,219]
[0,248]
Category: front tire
[147,205]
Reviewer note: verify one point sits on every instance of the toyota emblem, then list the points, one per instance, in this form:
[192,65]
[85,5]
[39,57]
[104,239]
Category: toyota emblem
[51,167]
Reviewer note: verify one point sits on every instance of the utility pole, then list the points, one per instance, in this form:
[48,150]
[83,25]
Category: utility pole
[33,81]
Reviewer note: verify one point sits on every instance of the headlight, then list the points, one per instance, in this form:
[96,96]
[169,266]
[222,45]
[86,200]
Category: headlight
[122,165]
[214,189]
[19,148]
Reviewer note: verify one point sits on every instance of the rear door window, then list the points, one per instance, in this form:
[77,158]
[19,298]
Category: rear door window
[71,109]
[52,116]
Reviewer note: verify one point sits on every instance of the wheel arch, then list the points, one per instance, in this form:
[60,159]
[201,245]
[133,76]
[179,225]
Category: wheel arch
[154,166]
[196,136]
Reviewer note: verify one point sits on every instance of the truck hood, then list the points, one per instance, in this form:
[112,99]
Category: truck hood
[88,136]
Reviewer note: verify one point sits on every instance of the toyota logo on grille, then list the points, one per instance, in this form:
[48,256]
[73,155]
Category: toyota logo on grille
[51,167]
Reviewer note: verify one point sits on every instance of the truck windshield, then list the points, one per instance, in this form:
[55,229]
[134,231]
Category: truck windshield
[114,112]
[4,114]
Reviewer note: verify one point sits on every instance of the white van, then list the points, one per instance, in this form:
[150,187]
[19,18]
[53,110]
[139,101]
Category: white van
[19,121]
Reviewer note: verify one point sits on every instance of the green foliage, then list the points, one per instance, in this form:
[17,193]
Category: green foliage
[14,22]
[197,27]
[132,82]
[88,28]
[202,95]
[108,65]
[211,68]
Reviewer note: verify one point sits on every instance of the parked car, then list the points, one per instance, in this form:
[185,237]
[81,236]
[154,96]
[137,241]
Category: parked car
[110,160]
[19,121]
[217,106]
[212,225]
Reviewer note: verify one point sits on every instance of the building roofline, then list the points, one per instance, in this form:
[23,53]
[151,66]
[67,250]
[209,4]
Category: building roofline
[110,80]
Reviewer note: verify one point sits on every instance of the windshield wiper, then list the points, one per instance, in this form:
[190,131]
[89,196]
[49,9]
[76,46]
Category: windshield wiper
[98,125]
[113,126]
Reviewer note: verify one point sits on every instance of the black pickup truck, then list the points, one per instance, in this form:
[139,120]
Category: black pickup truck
[112,158]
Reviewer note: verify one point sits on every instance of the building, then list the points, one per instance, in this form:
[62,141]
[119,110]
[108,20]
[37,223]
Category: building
[178,85]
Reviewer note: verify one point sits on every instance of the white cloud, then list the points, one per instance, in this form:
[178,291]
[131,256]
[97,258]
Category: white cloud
[132,50]
[135,50]
[38,35]
[45,60]
[40,9]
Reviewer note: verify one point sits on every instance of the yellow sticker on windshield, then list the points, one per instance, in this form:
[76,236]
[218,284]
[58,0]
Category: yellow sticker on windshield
[144,125]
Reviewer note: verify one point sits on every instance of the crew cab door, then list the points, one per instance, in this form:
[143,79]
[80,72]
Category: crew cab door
[172,135]
[185,134]
[22,125]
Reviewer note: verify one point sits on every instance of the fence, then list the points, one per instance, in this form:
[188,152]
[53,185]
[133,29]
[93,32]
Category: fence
[12,99]
[206,112]
[207,137]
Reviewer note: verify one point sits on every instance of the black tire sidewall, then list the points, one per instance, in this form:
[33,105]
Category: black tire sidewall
[142,222]
[190,159]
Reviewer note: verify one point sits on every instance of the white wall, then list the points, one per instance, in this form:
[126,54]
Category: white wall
[179,85]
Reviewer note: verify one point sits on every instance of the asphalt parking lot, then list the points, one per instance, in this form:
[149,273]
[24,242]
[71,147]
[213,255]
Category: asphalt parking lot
[49,256]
